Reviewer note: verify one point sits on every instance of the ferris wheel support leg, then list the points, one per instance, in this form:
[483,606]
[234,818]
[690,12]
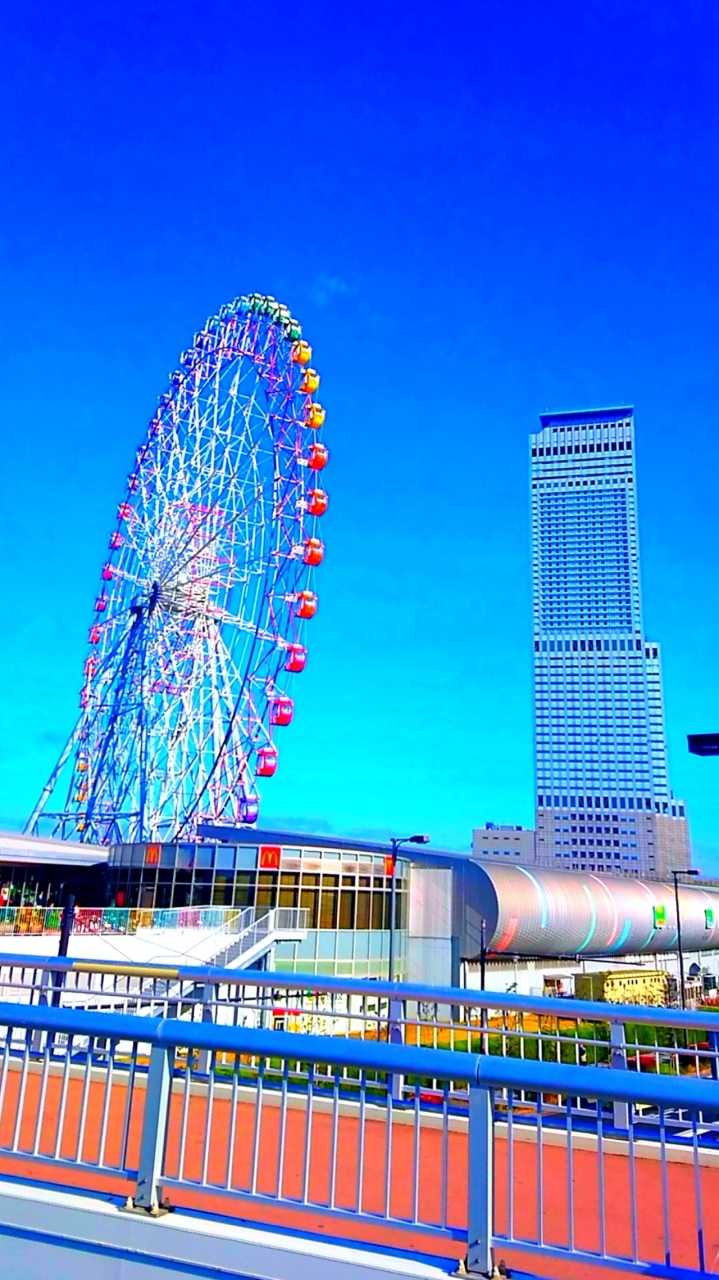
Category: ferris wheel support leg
[30,827]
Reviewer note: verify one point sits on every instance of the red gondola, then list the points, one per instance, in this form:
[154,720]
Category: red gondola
[266,762]
[296,658]
[318,457]
[306,604]
[282,710]
[314,551]
[317,501]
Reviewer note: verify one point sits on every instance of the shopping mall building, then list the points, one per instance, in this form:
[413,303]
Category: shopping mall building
[447,904]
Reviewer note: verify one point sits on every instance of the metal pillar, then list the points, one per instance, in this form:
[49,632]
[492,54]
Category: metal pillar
[395,1035]
[480,1208]
[205,1056]
[154,1130]
[682,987]
[392,909]
[68,920]
[617,1040]
[56,978]
[37,1044]
[713,1038]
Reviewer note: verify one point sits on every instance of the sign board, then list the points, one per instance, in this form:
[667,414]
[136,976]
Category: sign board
[708,918]
[152,855]
[388,864]
[660,916]
[270,855]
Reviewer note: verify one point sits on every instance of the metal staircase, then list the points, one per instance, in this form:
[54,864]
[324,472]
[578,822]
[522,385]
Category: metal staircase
[245,939]
[259,935]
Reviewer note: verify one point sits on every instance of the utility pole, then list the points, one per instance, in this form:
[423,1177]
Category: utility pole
[687,871]
[68,920]
[392,869]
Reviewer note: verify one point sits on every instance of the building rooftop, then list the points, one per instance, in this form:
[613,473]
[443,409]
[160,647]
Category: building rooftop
[251,835]
[18,848]
[586,415]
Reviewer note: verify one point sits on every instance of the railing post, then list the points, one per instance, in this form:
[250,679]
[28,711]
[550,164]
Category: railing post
[713,1038]
[480,1183]
[37,1043]
[617,1040]
[395,1035]
[269,956]
[154,1129]
[203,1060]
[266,1002]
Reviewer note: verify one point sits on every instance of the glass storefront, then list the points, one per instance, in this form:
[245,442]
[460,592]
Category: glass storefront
[344,887]
[48,884]
[344,890]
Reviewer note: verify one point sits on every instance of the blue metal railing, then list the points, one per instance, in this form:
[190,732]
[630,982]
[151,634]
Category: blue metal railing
[645,1039]
[118,1094]
[386,1057]
[419,993]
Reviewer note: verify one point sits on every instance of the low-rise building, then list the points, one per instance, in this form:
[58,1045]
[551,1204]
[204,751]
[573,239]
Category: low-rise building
[494,840]
[453,911]
[624,986]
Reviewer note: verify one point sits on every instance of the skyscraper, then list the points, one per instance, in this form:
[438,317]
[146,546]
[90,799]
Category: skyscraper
[602,786]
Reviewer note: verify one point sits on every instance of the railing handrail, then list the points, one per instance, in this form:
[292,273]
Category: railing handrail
[544,1006]
[487,1071]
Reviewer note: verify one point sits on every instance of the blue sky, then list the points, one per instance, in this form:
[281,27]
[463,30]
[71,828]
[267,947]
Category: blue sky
[478,212]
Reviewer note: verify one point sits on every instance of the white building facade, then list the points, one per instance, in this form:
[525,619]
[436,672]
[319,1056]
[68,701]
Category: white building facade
[603,799]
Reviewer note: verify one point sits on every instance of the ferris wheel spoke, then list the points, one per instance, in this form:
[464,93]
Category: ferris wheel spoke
[191,735]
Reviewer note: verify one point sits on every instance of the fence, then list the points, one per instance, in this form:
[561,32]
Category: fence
[46,921]
[87,1095]
[640,1039]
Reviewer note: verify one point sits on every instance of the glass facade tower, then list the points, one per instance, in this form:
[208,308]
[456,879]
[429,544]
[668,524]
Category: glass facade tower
[602,787]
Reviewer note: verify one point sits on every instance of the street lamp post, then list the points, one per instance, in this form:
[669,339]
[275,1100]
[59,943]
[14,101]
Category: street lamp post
[396,844]
[686,871]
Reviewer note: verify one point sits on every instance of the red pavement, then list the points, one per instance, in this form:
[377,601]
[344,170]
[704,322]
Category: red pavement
[682,1201]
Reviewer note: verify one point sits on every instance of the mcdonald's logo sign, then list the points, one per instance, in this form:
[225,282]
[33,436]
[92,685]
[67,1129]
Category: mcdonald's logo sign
[270,855]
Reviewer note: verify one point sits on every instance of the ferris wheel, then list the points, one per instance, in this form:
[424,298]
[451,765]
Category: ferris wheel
[204,592]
